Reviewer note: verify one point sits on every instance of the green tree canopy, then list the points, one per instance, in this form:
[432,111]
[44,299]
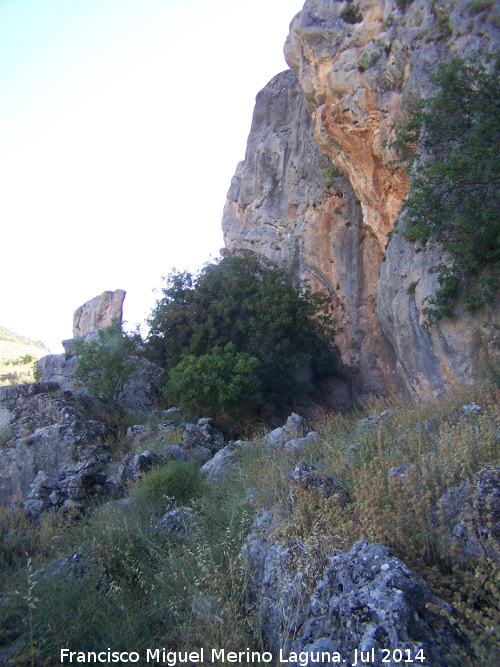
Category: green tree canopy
[454,197]
[240,318]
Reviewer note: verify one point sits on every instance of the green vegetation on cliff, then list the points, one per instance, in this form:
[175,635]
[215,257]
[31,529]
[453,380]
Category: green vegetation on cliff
[105,364]
[454,199]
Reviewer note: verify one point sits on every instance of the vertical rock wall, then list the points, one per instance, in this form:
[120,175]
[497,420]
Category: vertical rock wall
[357,82]
[280,205]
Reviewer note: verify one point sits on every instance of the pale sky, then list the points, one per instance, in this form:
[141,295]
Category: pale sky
[121,125]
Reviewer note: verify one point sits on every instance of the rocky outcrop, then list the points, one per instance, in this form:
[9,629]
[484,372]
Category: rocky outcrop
[306,603]
[141,392]
[54,452]
[470,515]
[45,430]
[361,67]
[368,600]
[98,313]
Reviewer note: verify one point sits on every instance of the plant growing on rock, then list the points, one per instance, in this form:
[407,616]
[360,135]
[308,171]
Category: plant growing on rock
[351,13]
[175,480]
[105,364]
[453,201]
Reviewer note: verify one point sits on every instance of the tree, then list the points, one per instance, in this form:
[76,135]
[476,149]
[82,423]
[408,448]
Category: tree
[454,198]
[273,328]
[105,364]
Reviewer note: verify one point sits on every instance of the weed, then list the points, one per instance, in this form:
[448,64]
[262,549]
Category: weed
[367,60]
[477,6]
[175,480]
[351,13]
[193,592]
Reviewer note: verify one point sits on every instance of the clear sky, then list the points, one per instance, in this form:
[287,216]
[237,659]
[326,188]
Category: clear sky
[121,125]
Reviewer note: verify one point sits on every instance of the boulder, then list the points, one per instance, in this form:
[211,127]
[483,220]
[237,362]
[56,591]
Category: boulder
[470,513]
[278,587]
[215,469]
[295,427]
[202,434]
[368,599]
[308,477]
[180,521]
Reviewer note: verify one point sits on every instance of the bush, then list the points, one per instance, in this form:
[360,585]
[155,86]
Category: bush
[105,365]
[241,335]
[367,60]
[176,480]
[351,13]
[222,381]
[331,173]
[453,201]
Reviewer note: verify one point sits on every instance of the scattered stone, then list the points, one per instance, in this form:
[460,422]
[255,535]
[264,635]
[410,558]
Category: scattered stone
[470,410]
[309,478]
[300,445]
[401,472]
[180,521]
[133,467]
[470,513]
[428,428]
[217,467]
[373,421]
[295,427]
[65,568]
[351,455]
[202,434]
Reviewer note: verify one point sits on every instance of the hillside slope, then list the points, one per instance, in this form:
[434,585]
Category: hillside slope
[17,355]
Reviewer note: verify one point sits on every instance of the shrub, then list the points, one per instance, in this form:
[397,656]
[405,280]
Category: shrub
[331,173]
[222,381]
[453,201]
[367,60]
[105,365]
[28,359]
[274,330]
[351,13]
[176,480]
[477,6]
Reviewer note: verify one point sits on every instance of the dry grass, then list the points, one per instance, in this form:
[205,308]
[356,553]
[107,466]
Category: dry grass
[192,590]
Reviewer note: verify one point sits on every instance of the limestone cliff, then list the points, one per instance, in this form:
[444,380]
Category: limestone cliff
[360,66]
[280,204]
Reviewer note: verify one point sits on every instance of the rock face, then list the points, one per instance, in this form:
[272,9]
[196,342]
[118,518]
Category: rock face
[358,81]
[283,205]
[368,599]
[98,313]
[44,430]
